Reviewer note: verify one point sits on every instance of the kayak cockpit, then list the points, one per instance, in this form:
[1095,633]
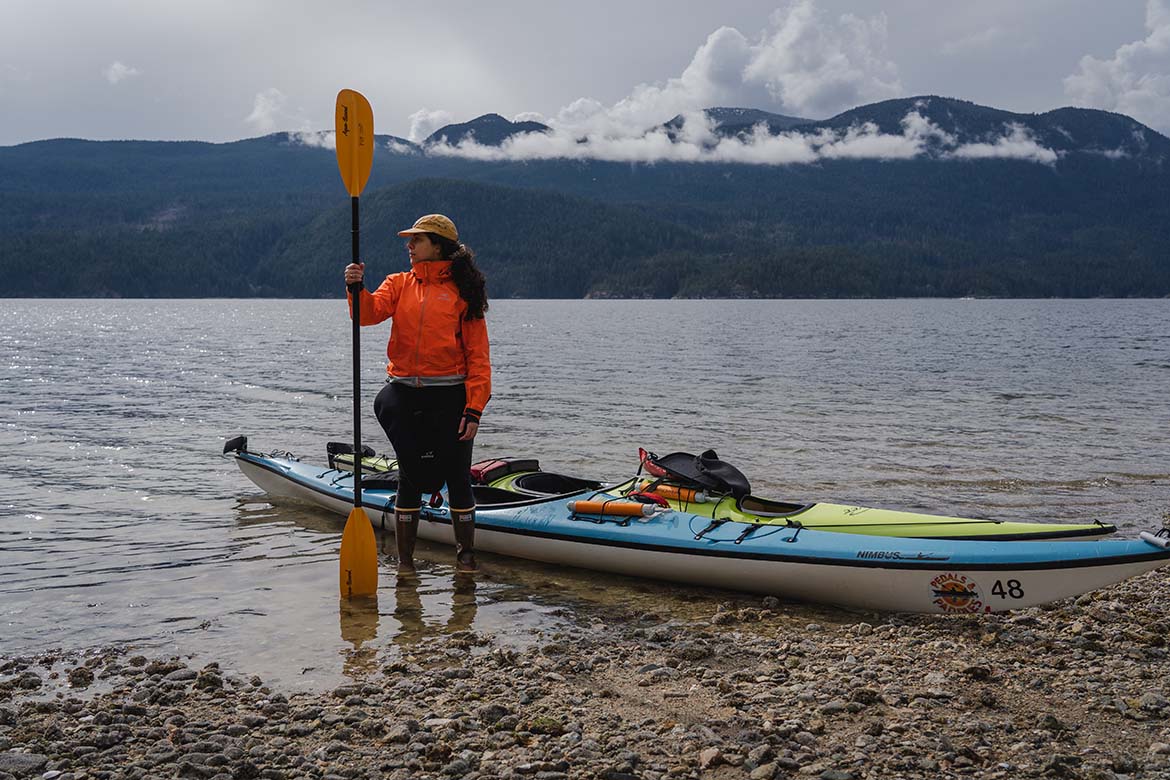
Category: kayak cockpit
[764,507]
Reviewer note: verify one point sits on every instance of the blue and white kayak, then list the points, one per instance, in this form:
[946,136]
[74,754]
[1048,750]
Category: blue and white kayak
[867,572]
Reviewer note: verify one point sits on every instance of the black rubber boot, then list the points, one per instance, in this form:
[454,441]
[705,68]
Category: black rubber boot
[405,533]
[463,521]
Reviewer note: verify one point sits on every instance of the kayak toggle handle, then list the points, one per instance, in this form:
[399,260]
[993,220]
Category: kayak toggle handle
[1160,539]
[747,532]
[714,524]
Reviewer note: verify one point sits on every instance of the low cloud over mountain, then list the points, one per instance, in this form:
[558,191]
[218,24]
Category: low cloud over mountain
[930,127]
[696,139]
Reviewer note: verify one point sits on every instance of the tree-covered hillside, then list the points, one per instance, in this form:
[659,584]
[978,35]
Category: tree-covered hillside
[269,216]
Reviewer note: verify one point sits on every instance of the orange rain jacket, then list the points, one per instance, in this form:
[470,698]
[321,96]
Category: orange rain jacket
[432,340]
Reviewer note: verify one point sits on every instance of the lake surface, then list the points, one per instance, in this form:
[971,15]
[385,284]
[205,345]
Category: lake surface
[120,522]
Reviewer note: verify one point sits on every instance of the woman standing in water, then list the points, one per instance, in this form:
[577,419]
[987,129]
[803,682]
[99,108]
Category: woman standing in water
[439,377]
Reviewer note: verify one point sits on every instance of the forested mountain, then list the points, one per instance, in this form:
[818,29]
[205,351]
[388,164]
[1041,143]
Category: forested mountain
[1076,131]
[489,129]
[269,216]
[740,121]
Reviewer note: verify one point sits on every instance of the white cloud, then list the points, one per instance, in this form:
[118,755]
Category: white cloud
[1136,81]
[1017,144]
[116,72]
[984,39]
[815,66]
[425,121]
[696,142]
[322,139]
[267,109]
[395,147]
[327,139]
[806,64]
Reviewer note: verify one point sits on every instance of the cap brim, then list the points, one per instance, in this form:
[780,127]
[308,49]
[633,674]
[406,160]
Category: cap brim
[411,231]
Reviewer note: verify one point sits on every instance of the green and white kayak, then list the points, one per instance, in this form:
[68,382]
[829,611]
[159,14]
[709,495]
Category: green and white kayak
[524,477]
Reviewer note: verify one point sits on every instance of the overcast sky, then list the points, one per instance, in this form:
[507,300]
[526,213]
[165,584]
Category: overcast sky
[215,70]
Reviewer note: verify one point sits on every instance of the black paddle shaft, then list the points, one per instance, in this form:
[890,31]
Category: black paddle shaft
[355,290]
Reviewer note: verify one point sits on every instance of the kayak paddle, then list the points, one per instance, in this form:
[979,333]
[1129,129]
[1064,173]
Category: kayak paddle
[355,154]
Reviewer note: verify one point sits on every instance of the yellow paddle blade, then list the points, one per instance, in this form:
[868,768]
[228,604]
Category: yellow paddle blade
[355,140]
[359,556]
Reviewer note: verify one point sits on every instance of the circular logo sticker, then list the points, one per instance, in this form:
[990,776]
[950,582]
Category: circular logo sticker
[956,593]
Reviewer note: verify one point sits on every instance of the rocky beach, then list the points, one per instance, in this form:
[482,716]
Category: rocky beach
[737,686]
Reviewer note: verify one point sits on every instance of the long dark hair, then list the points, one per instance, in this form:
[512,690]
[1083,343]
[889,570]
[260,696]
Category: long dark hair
[465,273]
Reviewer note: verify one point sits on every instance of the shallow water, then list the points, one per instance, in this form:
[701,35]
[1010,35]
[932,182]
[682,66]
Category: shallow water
[121,523]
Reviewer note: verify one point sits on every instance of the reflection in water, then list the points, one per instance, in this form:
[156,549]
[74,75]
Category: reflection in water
[409,610]
[359,626]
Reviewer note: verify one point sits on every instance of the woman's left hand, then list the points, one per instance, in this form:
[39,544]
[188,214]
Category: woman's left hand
[467,429]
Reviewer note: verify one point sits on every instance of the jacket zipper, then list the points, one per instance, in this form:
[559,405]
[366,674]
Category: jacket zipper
[418,343]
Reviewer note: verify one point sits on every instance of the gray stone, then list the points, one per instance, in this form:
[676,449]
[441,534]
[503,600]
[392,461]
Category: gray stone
[837,774]
[491,713]
[834,707]
[81,677]
[209,680]
[1153,702]
[22,764]
[1050,722]
[29,681]
[456,768]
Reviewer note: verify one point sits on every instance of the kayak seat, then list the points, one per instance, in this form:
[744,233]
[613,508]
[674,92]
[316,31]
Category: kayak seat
[544,483]
[765,507]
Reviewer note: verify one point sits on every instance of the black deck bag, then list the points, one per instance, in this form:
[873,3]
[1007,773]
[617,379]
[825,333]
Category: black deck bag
[703,471]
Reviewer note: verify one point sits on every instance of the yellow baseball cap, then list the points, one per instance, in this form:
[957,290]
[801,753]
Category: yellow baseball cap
[433,223]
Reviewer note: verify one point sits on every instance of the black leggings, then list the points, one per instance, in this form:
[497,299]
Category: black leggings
[422,424]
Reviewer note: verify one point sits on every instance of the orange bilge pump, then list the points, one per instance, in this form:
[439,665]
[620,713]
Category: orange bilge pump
[612,508]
